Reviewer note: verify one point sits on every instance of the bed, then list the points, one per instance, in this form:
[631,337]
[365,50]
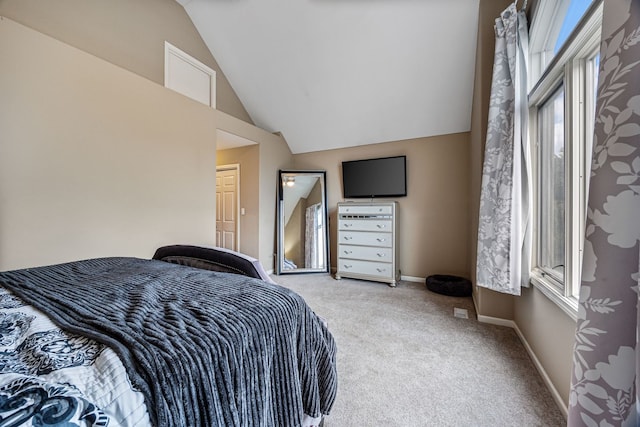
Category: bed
[193,337]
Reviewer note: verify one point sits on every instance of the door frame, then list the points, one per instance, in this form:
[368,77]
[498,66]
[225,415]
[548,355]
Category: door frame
[236,167]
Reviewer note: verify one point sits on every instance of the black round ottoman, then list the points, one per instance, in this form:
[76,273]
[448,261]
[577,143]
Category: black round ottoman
[449,285]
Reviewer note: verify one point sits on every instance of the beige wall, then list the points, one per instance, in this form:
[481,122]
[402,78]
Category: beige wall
[247,158]
[433,219]
[130,34]
[551,334]
[315,195]
[140,128]
[294,231]
[274,155]
[545,327]
[96,160]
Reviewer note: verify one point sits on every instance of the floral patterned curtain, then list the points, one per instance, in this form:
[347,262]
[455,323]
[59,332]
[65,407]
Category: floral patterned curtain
[504,236]
[604,388]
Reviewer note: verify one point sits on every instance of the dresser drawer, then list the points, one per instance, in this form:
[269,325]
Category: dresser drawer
[365,224]
[368,238]
[369,253]
[365,210]
[367,268]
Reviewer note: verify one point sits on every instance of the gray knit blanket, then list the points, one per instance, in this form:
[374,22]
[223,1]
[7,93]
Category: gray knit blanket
[205,348]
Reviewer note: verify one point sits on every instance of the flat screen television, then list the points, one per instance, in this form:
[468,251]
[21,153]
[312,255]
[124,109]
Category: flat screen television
[382,177]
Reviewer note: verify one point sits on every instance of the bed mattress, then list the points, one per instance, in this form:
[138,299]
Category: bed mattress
[126,341]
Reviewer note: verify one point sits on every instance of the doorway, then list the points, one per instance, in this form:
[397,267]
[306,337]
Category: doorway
[228,207]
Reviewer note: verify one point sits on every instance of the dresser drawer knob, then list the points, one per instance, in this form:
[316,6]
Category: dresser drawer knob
[348,225]
[348,252]
[380,255]
[381,225]
[348,237]
[380,270]
[348,266]
[380,239]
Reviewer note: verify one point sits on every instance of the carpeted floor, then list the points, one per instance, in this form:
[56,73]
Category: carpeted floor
[405,360]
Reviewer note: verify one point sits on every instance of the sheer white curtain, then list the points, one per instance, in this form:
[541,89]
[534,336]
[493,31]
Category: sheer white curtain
[504,235]
[311,237]
[604,388]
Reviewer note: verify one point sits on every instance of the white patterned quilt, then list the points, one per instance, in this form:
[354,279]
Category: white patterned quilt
[50,377]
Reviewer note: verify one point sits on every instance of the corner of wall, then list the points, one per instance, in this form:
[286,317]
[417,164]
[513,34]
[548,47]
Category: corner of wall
[494,304]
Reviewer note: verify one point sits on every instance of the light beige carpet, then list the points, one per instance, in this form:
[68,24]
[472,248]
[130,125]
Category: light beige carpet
[405,360]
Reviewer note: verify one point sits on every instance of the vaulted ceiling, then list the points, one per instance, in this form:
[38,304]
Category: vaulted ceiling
[340,73]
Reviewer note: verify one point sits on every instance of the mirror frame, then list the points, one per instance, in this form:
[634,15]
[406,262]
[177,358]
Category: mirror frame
[322,176]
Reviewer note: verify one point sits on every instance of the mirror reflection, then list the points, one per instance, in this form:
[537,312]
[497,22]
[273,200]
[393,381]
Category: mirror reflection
[303,245]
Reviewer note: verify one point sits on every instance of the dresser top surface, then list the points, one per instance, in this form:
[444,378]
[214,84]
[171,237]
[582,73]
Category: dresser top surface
[356,204]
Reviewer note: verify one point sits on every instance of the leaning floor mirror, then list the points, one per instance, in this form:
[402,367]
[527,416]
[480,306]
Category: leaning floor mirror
[303,231]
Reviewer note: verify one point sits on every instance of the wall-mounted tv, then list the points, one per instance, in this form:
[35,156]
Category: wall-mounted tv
[382,177]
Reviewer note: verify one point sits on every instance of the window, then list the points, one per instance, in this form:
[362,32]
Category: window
[553,24]
[575,11]
[562,109]
[551,248]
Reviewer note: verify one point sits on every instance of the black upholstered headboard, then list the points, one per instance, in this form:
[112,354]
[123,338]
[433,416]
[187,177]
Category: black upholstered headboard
[216,259]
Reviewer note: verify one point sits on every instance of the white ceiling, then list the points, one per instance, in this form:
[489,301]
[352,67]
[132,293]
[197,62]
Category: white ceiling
[226,140]
[340,73]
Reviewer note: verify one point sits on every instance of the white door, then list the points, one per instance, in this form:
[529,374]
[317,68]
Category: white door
[227,223]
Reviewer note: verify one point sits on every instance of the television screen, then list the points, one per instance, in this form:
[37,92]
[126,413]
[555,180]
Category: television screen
[383,177]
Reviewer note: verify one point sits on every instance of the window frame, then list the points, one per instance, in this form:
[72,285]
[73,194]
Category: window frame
[569,68]
[555,278]
[545,29]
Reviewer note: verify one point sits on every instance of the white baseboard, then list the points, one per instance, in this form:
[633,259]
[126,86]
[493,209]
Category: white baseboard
[412,279]
[496,321]
[511,324]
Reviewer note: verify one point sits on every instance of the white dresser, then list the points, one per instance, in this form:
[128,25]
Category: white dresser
[368,241]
